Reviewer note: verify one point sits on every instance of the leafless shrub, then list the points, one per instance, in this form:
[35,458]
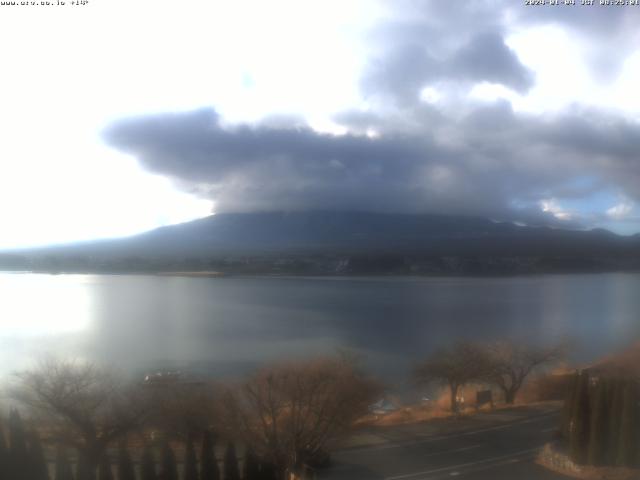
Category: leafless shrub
[184,409]
[453,367]
[81,405]
[290,412]
[510,364]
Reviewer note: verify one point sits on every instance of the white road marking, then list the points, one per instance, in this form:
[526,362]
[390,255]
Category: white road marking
[443,437]
[497,427]
[484,467]
[501,458]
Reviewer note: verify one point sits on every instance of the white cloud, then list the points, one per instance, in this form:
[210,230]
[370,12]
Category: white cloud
[430,95]
[620,211]
[561,73]
[70,71]
[486,91]
[551,206]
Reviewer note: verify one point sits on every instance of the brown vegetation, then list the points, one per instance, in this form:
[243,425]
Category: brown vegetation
[289,413]
[510,364]
[505,365]
[180,410]
[454,367]
[626,363]
[82,405]
[559,462]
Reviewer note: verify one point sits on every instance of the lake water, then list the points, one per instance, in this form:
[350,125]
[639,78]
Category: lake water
[225,326]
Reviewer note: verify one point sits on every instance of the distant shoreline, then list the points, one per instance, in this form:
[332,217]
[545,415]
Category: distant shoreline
[206,273]
[321,274]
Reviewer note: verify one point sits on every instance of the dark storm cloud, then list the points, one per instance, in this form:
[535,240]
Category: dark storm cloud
[492,162]
[456,157]
[266,168]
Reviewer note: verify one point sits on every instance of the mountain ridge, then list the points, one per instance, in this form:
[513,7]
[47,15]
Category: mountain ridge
[278,237]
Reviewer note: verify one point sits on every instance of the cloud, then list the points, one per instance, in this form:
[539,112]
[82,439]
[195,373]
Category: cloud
[261,167]
[402,72]
[487,58]
[436,148]
[621,211]
[493,162]
[551,206]
[434,42]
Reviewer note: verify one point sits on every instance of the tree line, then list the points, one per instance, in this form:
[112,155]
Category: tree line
[505,365]
[22,457]
[283,418]
[601,419]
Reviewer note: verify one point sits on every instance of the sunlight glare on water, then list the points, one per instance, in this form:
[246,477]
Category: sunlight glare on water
[40,304]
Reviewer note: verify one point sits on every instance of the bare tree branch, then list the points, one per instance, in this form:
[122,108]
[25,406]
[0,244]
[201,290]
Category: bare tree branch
[288,413]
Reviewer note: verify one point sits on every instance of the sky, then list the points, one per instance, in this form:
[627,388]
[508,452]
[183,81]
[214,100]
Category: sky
[118,116]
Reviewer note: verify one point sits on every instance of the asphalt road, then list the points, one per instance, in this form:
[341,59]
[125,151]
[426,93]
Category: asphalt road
[489,446]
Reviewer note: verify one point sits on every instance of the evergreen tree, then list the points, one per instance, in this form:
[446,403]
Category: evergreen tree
[4,455]
[628,443]
[231,471]
[19,466]
[567,408]
[84,470]
[599,422]
[125,465]
[37,460]
[580,422]
[251,469]
[169,470]
[190,461]
[208,463]
[147,465]
[104,469]
[268,471]
[615,419]
[63,466]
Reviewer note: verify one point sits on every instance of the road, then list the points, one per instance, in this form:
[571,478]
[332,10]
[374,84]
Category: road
[488,446]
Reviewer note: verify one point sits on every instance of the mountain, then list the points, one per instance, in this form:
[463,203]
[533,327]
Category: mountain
[343,242]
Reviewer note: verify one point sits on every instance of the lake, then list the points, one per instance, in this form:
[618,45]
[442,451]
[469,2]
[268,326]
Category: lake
[226,326]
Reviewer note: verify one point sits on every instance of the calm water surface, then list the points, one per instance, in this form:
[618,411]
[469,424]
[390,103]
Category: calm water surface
[226,326]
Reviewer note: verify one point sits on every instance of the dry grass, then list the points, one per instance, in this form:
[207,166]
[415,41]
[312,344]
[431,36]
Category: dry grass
[440,407]
[405,415]
[627,362]
[557,462]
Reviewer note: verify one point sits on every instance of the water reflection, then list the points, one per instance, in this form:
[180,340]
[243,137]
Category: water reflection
[33,304]
[228,325]
[43,314]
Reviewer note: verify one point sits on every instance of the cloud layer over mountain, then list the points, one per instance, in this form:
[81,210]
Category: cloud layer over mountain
[428,137]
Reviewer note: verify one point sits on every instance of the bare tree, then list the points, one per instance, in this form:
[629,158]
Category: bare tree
[182,410]
[454,367]
[81,405]
[289,413]
[511,363]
